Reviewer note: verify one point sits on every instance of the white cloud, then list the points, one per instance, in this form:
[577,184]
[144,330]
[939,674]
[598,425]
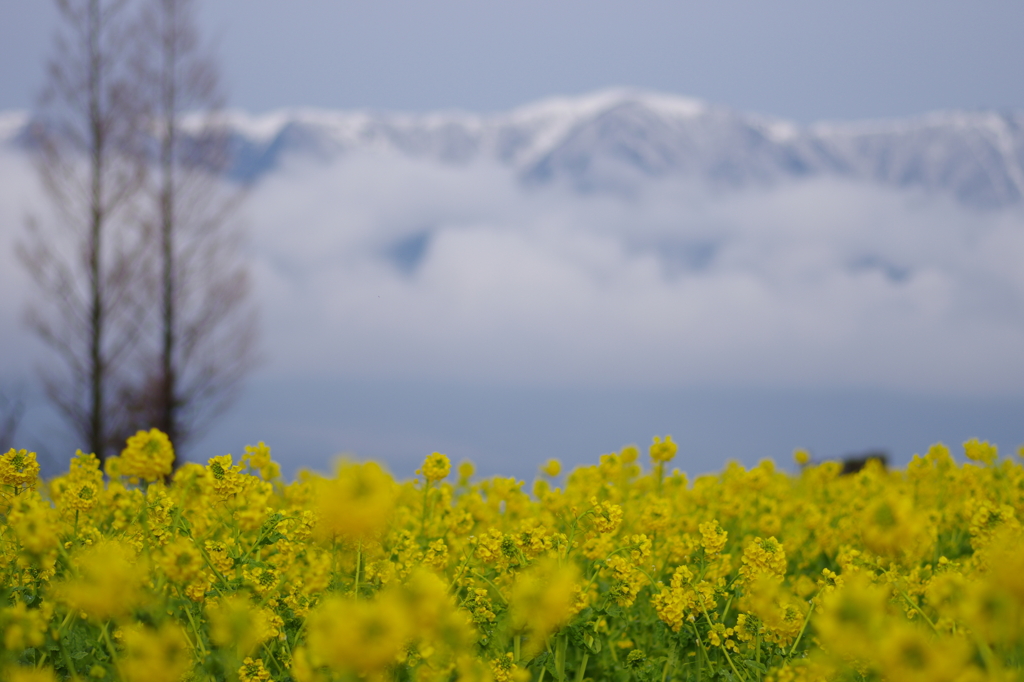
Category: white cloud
[390,268]
[813,284]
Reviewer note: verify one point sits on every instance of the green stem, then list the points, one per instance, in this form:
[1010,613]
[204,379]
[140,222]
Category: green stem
[273,659]
[67,659]
[493,586]
[728,605]
[517,642]
[560,647]
[800,634]
[757,651]
[423,517]
[582,670]
[206,558]
[359,556]
[724,649]
[461,571]
[195,629]
[668,662]
[67,619]
[917,608]
[986,654]
[573,529]
[700,650]
[110,648]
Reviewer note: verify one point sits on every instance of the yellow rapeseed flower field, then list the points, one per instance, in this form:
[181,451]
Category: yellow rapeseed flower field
[616,571]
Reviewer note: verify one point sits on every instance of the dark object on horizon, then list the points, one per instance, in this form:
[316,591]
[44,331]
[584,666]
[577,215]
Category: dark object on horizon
[855,463]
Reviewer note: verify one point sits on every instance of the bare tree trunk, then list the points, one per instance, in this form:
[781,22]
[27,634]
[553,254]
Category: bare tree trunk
[87,264]
[168,417]
[11,411]
[207,331]
[98,146]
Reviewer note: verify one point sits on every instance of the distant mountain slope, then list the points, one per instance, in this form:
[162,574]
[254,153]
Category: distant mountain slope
[619,140]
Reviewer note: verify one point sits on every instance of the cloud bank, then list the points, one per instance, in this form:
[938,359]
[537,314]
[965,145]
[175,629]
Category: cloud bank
[385,267]
[380,266]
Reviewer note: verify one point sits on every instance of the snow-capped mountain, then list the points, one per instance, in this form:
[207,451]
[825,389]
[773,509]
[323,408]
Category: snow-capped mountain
[618,140]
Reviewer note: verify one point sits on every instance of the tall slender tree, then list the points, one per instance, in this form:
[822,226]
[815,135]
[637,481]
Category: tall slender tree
[84,255]
[206,329]
[11,411]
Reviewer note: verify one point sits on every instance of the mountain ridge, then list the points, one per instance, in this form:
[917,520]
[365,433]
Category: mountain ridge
[619,140]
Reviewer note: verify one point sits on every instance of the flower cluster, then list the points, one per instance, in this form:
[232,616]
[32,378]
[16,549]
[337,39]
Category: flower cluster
[619,571]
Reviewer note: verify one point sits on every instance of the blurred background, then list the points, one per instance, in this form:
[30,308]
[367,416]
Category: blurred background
[516,231]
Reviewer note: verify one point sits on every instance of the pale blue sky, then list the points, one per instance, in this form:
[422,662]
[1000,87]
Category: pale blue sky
[800,59]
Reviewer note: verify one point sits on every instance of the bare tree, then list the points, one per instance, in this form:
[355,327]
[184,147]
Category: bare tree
[205,336]
[85,256]
[11,411]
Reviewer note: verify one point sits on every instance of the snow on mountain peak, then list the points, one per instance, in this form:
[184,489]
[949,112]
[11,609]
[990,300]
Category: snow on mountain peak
[618,139]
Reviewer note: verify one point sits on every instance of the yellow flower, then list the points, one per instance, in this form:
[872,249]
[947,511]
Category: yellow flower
[27,674]
[180,561]
[110,581]
[253,671]
[155,655]
[607,517]
[466,471]
[84,483]
[779,611]
[683,602]
[981,451]
[356,504]
[504,669]
[219,555]
[713,538]
[237,623]
[991,520]
[35,523]
[763,558]
[626,580]
[361,637]
[437,555]
[225,477]
[257,458]
[663,451]
[801,456]
[18,468]
[23,627]
[907,653]
[543,600]
[852,619]
[924,577]
[552,467]
[891,528]
[435,467]
[148,456]
[802,670]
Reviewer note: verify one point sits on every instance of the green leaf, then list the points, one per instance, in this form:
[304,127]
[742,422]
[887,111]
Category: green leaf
[754,665]
[549,665]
